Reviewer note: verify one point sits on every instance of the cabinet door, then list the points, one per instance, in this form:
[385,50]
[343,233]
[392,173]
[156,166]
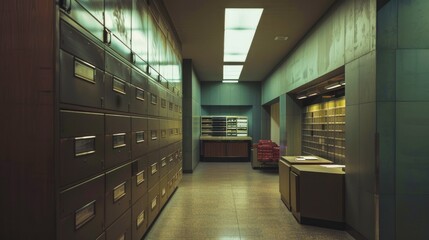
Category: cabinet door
[294,194]
[284,183]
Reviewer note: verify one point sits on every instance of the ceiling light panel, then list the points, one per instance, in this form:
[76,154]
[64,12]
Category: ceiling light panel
[240,28]
[232,71]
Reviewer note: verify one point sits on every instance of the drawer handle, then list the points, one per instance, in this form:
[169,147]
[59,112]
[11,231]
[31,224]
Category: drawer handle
[140,219]
[84,215]
[119,192]
[154,168]
[140,178]
[154,202]
[84,71]
[84,146]
[154,135]
[163,162]
[163,192]
[119,140]
[119,86]
[153,99]
[140,137]
[139,94]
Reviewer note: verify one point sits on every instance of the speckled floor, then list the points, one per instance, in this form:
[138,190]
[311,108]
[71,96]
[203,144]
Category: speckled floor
[231,201]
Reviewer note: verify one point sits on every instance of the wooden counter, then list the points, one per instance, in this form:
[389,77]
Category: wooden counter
[284,174]
[317,195]
[225,148]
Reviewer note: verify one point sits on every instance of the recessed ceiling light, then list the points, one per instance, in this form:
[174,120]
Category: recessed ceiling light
[230,81]
[281,38]
[301,97]
[332,86]
[240,27]
[232,72]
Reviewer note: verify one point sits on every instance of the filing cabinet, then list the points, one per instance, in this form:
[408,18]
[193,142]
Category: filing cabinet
[154,201]
[81,145]
[139,138]
[117,87]
[118,129]
[89,112]
[118,192]
[82,210]
[139,220]
[153,168]
[121,228]
[139,92]
[139,179]
[82,69]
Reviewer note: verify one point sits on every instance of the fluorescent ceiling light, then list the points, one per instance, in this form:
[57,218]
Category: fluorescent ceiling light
[313,94]
[232,71]
[332,86]
[301,97]
[230,81]
[240,28]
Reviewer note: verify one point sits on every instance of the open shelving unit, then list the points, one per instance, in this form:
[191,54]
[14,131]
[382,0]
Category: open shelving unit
[323,130]
[224,126]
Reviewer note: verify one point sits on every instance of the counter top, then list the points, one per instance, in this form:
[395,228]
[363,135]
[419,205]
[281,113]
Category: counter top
[292,160]
[210,138]
[316,169]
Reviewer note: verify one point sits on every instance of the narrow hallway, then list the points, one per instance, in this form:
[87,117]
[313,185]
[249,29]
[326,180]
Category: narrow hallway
[231,201]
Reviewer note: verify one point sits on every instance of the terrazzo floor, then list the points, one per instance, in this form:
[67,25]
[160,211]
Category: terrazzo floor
[231,201]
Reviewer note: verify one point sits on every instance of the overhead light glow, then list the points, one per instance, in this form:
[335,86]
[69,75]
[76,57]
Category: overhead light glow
[240,28]
[232,71]
[230,81]
[332,86]
[313,94]
[301,97]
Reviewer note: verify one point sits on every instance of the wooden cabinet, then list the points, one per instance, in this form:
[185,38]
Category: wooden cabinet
[317,195]
[285,165]
[224,148]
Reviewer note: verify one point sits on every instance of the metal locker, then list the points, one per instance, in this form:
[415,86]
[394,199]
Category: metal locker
[82,64]
[170,107]
[139,219]
[163,136]
[117,140]
[81,210]
[153,168]
[117,87]
[118,192]
[88,14]
[121,229]
[139,93]
[154,201]
[140,136]
[139,178]
[81,145]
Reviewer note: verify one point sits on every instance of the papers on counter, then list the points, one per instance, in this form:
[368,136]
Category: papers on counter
[302,158]
[332,166]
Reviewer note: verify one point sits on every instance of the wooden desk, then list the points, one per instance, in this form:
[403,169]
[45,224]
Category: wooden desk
[317,195]
[285,165]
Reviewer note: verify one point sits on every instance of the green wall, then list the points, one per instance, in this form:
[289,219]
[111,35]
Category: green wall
[243,98]
[344,38]
[403,118]
[191,117]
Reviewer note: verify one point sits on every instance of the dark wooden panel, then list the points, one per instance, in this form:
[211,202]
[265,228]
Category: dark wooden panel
[214,149]
[26,101]
[237,149]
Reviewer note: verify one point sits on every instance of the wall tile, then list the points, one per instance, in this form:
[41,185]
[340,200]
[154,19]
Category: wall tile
[387,27]
[387,216]
[412,73]
[367,130]
[412,147]
[386,75]
[367,214]
[386,128]
[412,216]
[367,74]
[413,30]
[352,83]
